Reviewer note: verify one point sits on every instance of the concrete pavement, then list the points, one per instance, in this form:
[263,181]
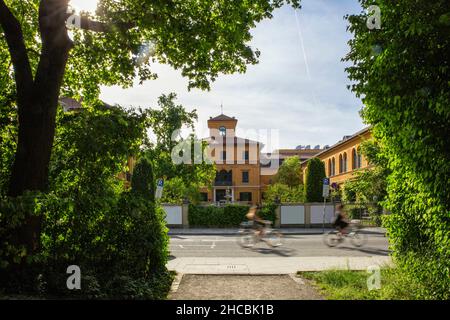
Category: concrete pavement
[261,266]
[222,255]
[234,231]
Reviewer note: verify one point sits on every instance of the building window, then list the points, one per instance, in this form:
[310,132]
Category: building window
[341,164]
[344,162]
[223,131]
[224,178]
[329,168]
[333,167]
[204,196]
[223,156]
[246,155]
[356,159]
[359,157]
[245,196]
[245,177]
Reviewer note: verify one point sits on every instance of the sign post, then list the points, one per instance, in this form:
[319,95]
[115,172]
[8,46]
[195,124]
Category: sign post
[159,189]
[325,195]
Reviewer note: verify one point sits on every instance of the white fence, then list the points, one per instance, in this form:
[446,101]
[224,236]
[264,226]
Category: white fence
[292,214]
[317,215]
[305,214]
[174,214]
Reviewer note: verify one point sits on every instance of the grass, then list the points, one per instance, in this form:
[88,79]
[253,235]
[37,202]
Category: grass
[352,285]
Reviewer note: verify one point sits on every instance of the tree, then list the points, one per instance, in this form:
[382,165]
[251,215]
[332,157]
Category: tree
[315,173]
[166,123]
[203,39]
[143,180]
[289,172]
[402,73]
[368,185]
[284,193]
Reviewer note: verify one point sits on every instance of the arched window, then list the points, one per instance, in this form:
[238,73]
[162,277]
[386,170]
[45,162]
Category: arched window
[329,168]
[341,164]
[354,159]
[344,162]
[359,157]
[223,131]
[333,167]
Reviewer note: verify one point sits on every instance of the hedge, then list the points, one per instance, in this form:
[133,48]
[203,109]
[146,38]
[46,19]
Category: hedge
[228,216]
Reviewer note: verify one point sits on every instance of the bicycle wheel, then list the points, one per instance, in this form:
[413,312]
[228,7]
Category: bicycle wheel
[332,238]
[358,239]
[274,238]
[246,238]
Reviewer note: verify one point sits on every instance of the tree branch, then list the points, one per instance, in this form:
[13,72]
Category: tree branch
[17,49]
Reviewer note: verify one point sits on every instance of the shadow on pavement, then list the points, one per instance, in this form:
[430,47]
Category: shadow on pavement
[368,250]
[280,251]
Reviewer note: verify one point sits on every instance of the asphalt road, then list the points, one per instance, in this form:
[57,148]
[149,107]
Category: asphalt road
[293,246]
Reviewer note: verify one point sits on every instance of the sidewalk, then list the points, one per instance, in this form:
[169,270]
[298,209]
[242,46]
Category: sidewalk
[232,287]
[271,265]
[286,231]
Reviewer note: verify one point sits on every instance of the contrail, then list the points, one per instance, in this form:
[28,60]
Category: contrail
[300,35]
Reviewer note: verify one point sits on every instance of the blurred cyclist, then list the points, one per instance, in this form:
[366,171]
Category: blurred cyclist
[258,223]
[341,222]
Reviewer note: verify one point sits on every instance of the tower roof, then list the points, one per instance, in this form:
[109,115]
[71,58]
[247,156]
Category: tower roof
[222,117]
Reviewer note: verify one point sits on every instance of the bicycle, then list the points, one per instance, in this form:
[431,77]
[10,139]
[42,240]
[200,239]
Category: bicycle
[249,236]
[357,238]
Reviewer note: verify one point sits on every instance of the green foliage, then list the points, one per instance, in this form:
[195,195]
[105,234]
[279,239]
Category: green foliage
[8,136]
[220,217]
[315,173]
[368,185]
[289,172]
[352,285]
[87,218]
[284,193]
[405,90]
[182,180]
[176,191]
[143,181]
[13,211]
[202,39]
[268,212]
[227,216]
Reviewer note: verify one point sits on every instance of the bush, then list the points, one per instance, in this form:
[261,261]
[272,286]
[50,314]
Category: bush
[268,212]
[407,105]
[315,173]
[219,217]
[284,193]
[124,239]
[228,216]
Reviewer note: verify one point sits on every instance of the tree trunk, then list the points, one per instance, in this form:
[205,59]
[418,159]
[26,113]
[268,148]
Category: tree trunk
[37,116]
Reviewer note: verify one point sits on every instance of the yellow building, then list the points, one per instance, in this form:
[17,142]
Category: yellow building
[237,160]
[344,158]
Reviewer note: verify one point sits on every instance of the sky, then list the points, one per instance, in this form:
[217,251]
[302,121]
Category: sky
[299,90]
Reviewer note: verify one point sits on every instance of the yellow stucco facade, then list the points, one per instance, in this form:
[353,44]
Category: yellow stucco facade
[344,158]
[237,161]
